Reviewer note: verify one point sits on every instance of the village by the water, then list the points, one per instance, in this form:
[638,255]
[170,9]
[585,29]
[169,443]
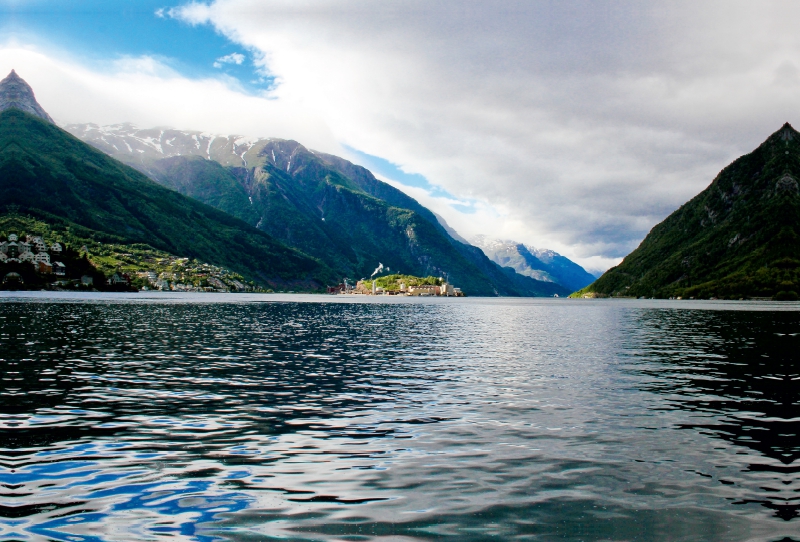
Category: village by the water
[31,262]
[399,285]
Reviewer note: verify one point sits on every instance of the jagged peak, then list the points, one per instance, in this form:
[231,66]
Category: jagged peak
[15,93]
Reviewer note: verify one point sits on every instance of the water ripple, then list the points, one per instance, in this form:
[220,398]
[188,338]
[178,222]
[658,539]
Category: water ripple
[128,418]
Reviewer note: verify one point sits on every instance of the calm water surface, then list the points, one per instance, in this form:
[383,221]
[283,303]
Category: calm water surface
[213,417]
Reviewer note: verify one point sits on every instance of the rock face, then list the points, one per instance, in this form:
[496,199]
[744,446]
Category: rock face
[16,93]
[740,237]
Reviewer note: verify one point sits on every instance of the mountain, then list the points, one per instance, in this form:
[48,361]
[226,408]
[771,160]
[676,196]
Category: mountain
[450,231]
[15,93]
[48,174]
[141,147]
[740,237]
[318,203]
[540,264]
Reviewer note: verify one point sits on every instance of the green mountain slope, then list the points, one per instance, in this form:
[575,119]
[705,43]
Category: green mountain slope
[502,278]
[738,238]
[47,173]
[340,213]
[285,184]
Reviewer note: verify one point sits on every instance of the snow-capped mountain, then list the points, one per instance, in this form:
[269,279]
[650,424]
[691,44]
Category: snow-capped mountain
[314,202]
[540,264]
[138,146]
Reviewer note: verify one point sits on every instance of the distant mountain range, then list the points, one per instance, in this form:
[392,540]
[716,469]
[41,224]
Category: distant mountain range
[318,203]
[540,264]
[141,147]
[740,237]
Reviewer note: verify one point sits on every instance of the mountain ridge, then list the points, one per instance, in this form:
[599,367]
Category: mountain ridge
[317,202]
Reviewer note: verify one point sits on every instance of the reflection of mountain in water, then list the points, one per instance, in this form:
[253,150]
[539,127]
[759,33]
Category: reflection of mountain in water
[739,370]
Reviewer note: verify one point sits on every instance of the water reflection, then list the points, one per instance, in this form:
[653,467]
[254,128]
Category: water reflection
[738,374]
[477,420]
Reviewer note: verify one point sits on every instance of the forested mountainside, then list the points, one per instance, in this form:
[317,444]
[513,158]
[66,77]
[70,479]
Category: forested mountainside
[318,203]
[737,238]
[47,173]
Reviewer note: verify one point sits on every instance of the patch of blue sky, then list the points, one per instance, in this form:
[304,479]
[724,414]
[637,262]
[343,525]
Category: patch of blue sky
[389,170]
[99,31]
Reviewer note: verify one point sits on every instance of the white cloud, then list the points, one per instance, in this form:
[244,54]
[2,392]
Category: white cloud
[498,222]
[573,125]
[581,124]
[233,58]
[145,91]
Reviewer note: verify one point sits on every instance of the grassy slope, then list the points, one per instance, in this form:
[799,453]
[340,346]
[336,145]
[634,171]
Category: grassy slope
[50,174]
[737,238]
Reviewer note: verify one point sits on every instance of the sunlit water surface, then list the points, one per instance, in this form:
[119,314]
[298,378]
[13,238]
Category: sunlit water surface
[213,417]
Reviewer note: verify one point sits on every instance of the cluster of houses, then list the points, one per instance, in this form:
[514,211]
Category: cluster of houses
[169,282]
[363,287]
[45,259]
[35,251]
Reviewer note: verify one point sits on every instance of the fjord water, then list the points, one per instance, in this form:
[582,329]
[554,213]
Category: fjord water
[213,417]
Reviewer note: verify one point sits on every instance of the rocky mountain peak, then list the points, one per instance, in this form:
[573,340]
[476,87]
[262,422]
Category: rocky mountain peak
[540,264]
[16,93]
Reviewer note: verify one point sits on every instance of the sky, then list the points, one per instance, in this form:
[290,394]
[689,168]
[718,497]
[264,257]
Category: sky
[570,125]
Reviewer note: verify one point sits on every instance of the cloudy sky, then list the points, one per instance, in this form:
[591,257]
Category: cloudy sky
[571,125]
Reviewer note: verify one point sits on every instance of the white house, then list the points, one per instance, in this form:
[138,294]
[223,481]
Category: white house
[38,244]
